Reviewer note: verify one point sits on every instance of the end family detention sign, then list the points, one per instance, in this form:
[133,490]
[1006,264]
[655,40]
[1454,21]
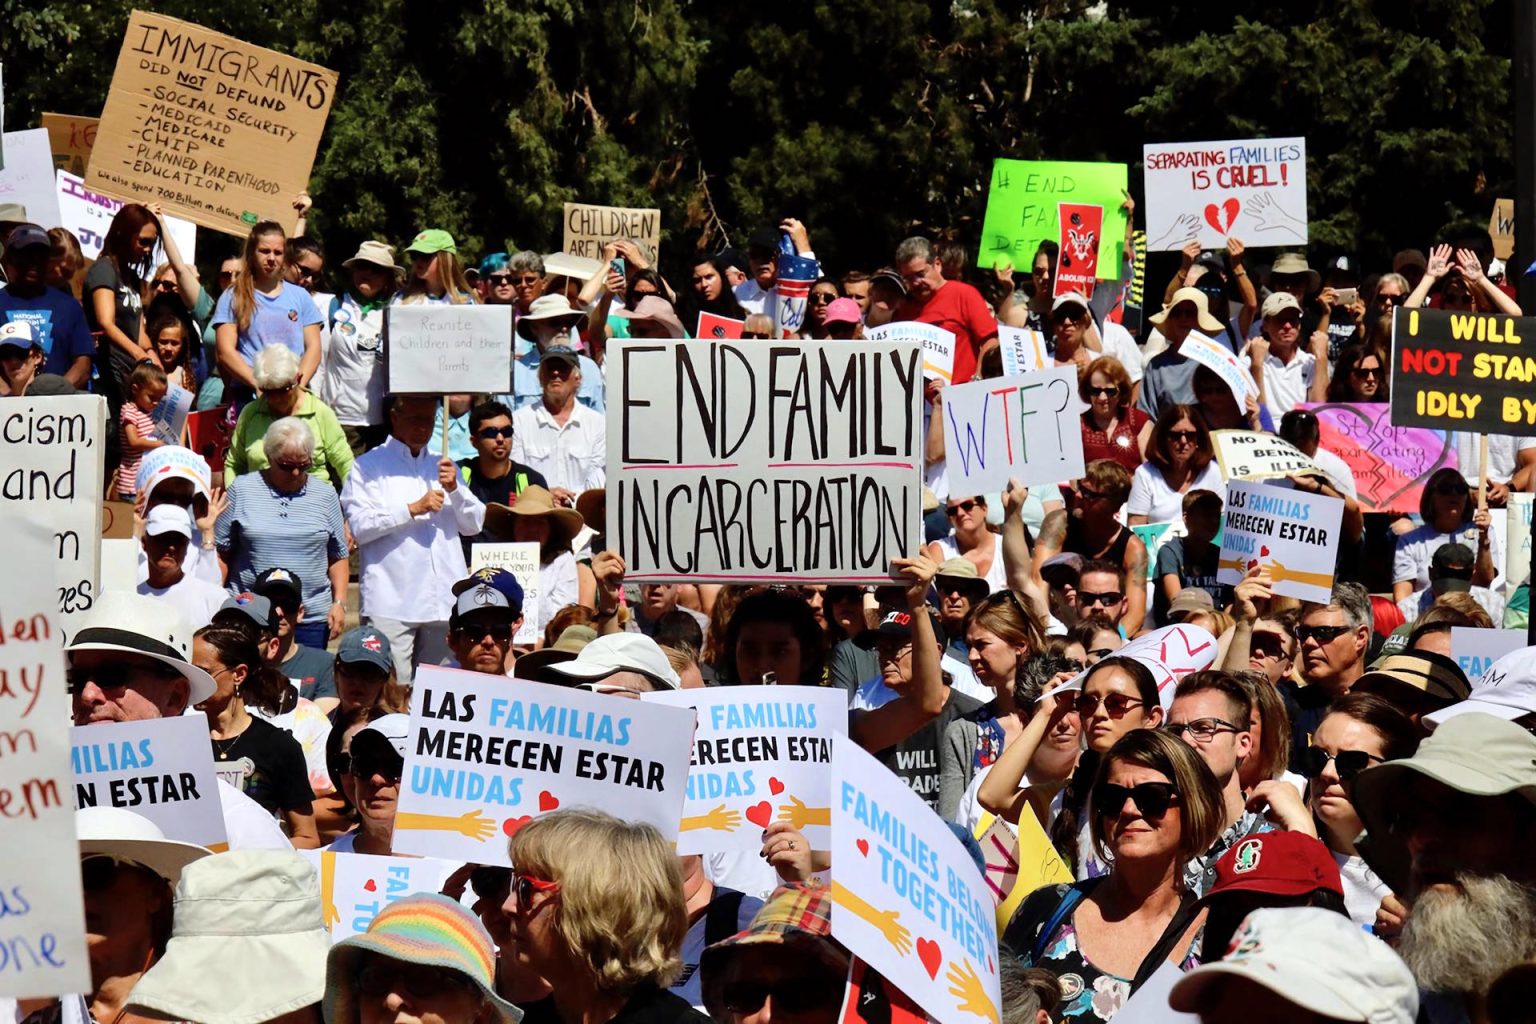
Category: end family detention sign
[1464,371]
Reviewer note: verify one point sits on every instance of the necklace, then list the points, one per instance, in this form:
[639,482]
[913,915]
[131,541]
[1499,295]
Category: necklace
[221,747]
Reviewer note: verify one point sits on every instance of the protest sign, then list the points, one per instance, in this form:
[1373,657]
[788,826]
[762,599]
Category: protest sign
[441,350]
[1390,464]
[173,462]
[1019,859]
[27,177]
[1517,545]
[718,328]
[1025,428]
[1501,225]
[1023,209]
[1295,533]
[937,343]
[907,896]
[487,755]
[1477,649]
[1149,1003]
[216,130]
[1223,362]
[740,461]
[1251,455]
[588,228]
[354,887]
[208,434]
[760,754]
[522,561]
[52,472]
[1154,536]
[170,415]
[872,998]
[89,214]
[1252,189]
[1082,227]
[161,768]
[1023,350]
[71,140]
[42,931]
[1464,371]
[1171,653]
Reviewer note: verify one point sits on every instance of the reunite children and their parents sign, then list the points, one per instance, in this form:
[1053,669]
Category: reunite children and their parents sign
[1464,371]
[1025,428]
[731,462]
[441,350]
[1252,189]
[1294,533]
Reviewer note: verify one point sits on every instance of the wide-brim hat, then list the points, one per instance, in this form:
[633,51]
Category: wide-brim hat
[552,308]
[375,254]
[1202,306]
[962,571]
[657,310]
[136,624]
[573,639]
[533,501]
[118,832]
[1416,675]
[1289,263]
[798,917]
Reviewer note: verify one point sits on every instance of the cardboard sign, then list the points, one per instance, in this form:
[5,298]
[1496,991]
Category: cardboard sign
[1252,455]
[1082,228]
[937,343]
[1023,427]
[71,140]
[718,328]
[588,228]
[1171,653]
[908,898]
[1390,464]
[217,130]
[43,931]
[1223,362]
[162,768]
[208,434]
[1475,650]
[1293,532]
[488,754]
[1023,350]
[354,887]
[1517,547]
[445,350]
[89,214]
[1464,371]
[741,461]
[760,754]
[1023,209]
[27,177]
[1502,227]
[52,470]
[522,561]
[1252,189]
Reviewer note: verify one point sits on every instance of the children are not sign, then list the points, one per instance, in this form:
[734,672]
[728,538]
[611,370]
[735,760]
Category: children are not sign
[1024,427]
[1294,533]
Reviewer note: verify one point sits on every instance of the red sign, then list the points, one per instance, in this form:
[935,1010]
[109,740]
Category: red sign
[718,328]
[208,434]
[1078,261]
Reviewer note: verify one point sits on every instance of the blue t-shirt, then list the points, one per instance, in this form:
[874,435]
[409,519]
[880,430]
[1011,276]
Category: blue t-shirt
[277,320]
[732,912]
[59,322]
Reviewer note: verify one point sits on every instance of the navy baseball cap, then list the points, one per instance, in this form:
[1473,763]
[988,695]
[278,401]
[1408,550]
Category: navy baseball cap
[489,589]
[277,579]
[563,352]
[365,645]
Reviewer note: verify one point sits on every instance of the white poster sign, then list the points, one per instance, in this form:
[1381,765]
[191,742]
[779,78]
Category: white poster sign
[170,415]
[1252,455]
[1025,427]
[1517,546]
[522,561]
[1222,361]
[938,345]
[89,214]
[162,768]
[1023,350]
[354,887]
[1475,650]
[28,176]
[444,350]
[1251,189]
[1171,653]
[1294,533]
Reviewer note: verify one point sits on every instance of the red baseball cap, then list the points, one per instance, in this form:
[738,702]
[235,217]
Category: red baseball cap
[1279,863]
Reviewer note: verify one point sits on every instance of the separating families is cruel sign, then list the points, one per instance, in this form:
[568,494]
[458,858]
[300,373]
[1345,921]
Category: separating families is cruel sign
[354,887]
[487,755]
[217,130]
[1024,427]
[1390,464]
[440,350]
[1294,533]
[760,754]
[937,343]
[1251,189]
[162,768]
[1023,209]
[1464,371]
[907,897]
[588,228]
[740,461]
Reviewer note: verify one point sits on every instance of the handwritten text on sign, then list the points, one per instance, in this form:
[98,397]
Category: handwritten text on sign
[42,931]
[1252,455]
[71,140]
[521,559]
[760,754]
[162,768]
[486,755]
[1023,200]
[1252,189]
[755,461]
[221,132]
[89,214]
[1390,464]
[1294,533]
[589,228]
[1022,427]
[440,350]
[908,899]
[1464,371]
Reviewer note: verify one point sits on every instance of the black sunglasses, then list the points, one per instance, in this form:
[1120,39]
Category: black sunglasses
[496,279]
[489,881]
[1322,634]
[1152,799]
[491,433]
[1183,435]
[964,506]
[1347,763]
[387,764]
[116,677]
[1457,490]
[500,632]
[1366,371]
[1088,600]
[98,871]
[1115,705]
[304,272]
[790,995]
[1096,392]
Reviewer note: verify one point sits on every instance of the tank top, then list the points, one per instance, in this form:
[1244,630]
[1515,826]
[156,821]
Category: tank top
[1077,544]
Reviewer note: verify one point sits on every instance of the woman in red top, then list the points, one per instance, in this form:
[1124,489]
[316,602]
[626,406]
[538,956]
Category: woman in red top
[1113,428]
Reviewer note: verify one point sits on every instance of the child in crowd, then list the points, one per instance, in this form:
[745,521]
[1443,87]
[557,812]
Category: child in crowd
[168,335]
[1190,560]
[146,387]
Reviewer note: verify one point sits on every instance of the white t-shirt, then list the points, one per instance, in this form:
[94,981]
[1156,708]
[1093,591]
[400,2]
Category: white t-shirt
[745,872]
[1152,497]
[1502,450]
[1119,343]
[1417,547]
[997,575]
[1338,471]
[197,600]
[1286,384]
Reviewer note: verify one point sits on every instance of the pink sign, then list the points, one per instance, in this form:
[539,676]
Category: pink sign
[1390,464]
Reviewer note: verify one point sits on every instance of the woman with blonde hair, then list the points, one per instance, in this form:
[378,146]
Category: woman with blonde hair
[597,910]
[261,308]
[437,275]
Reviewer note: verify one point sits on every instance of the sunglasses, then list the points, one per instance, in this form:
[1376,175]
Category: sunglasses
[1322,634]
[489,882]
[116,677]
[499,279]
[165,286]
[1366,371]
[1183,435]
[1108,598]
[1100,653]
[1152,799]
[387,765]
[282,390]
[821,298]
[1347,763]
[964,506]
[491,433]
[1115,705]
[294,467]
[500,632]
[1089,494]
[526,885]
[790,995]
[306,273]
[758,335]
[1396,300]
[1202,729]
[1456,490]
[1106,392]
[526,279]
[1267,644]
[98,871]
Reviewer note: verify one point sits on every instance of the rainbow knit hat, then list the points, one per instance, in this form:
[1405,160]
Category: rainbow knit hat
[423,928]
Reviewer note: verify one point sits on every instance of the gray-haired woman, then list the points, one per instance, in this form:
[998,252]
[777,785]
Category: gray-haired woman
[280,518]
[276,369]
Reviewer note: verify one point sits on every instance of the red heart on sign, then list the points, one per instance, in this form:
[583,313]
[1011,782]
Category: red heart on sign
[548,801]
[511,825]
[863,845]
[775,786]
[760,814]
[1252,562]
[371,885]
[1214,215]
[931,956]
[1263,550]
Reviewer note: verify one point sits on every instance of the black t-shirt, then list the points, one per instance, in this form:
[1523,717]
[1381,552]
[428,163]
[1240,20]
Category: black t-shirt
[1307,706]
[915,760]
[502,490]
[266,764]
[1193,568]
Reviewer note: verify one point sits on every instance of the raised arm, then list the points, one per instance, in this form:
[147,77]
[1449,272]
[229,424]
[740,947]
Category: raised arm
[1018,569]
[925,696]
[1472,270]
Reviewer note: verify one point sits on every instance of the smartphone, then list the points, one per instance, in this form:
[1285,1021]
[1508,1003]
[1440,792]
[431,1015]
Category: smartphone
[1345,296]
[617,265]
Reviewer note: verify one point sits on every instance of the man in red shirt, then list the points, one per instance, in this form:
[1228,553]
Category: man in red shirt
[952,305]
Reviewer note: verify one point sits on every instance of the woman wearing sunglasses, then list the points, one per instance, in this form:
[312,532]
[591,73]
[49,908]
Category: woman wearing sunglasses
[1450,516]
[1113,428]
[1360,375]
[281,393]
[1155,807]
[970,539]
[1180,459]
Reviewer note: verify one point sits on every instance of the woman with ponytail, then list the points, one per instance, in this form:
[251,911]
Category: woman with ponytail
[261,309]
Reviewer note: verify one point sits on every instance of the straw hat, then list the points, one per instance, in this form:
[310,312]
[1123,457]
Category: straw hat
[564,523]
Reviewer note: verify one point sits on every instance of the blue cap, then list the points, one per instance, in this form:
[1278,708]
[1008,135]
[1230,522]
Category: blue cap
[254,607]
[489,589]
[366,645]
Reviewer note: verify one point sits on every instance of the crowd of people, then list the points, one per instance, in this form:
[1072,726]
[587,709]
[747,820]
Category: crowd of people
[1327,821]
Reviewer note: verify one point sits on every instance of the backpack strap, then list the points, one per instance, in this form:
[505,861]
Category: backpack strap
[722,918]
[1049,904]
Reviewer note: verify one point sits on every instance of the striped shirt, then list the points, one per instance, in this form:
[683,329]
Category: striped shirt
[264,529]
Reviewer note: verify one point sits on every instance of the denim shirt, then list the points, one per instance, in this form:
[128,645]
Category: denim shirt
[525,380]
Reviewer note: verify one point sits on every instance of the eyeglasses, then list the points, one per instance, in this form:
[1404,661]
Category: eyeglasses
[1183,435]
[492,433]
[294,467]
[526,279]
[1202,729]
[1115,704]
[964,506]
[282,390]
[1267,645]
[1346,763]
[488,882]
[499,279]
[790,995]
[759,335]
[421,981]
[1108,598]
[1152,799]
[821,298]
[1106,392]
[1322,634]
[116,677]
[1396,300]
[1065,317]
[384,763]
[526,885]
[916,276]
[165,286]
[1366,371]
[499,632]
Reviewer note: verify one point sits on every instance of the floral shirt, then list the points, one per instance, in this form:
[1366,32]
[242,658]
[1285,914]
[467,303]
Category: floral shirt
[1200,873]
[1087,993]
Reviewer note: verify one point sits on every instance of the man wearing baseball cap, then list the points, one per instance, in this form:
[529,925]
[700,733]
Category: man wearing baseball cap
[57,321]
[619,663]
[309,668]
[1287,374]
[167,532]
[1274,869]
[487,611]
[1450,572]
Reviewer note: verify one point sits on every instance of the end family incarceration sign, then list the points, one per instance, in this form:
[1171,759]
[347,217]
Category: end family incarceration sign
[1464,371]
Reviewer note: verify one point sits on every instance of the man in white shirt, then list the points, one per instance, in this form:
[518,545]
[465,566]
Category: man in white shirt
[559,437]
[758,293]
[167,531]
[1286,375]
[407,512]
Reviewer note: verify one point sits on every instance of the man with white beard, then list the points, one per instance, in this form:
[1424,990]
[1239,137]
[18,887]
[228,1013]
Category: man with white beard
[1452,828]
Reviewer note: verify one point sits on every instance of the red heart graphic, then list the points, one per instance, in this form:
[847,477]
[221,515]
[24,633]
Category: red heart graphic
[775,786]
[548,801]
[1252,562]
[371,885]
[1263,550]
[863,845]
[511,825]
[931,956]
[1214,215]
[760,814]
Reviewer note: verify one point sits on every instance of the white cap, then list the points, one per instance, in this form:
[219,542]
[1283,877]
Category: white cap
[116,832]
[395,729]
[168,519]
[1279,302]
[621,652]
[1069,299]
[18,334]
[1316,959]
[1172,653]
[1507,690]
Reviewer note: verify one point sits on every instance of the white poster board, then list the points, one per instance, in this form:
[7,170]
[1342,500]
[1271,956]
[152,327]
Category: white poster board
[170,415]
[1171,653]
[1517,546]
[938,345]
[446,350]
[1475,650]
[1252,455]
[1293,532]
[522,561]
[1222,361]
[162,768]
[760,754]
[740,461]
[89,214]
[1022,350]
[354,887]
[488,754]
[1024,427]
[1251,189]
[28,176]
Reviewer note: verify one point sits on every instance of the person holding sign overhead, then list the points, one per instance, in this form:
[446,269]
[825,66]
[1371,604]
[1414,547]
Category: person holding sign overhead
[261,309]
